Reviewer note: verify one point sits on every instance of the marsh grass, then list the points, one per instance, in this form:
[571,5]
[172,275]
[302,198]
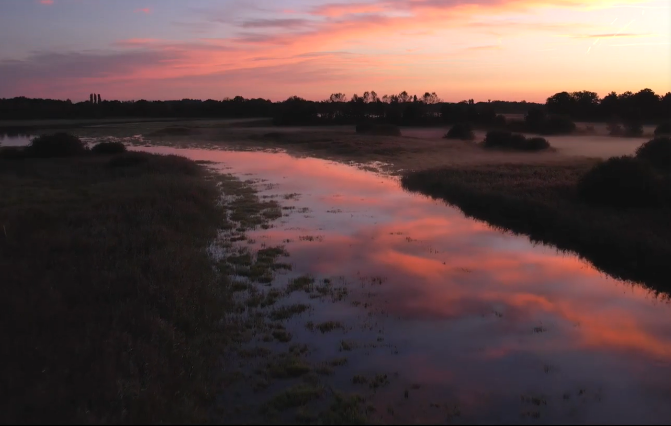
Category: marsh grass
[542,202]
[111,305]
[108,148]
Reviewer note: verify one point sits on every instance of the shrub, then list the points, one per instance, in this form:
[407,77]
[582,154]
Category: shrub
[663,129]
[378,129]
[536,144]
[615,129]
[557,124]
[460,131]
[56,145]
[500,121]
[535,119]
[623,182]
[656,152]
[498,139]
[633,130]
[106,148]
[508,140]
[516,125]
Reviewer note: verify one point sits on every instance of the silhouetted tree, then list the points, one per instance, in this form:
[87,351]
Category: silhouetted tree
[560,103]
[338,97]
[535,119]
[401,109]
[403,97]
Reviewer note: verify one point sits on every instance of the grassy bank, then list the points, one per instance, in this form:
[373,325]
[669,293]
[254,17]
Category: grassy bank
[541,201]
[110,302]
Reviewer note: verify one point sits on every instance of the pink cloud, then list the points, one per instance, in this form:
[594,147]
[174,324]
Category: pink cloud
[47,2]
[414,45]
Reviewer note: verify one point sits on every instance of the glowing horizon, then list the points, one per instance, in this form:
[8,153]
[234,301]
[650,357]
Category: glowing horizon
[482,49]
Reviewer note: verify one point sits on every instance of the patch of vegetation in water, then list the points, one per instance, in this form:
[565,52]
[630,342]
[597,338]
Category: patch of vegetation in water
[247,208]
[282,336]
[346,410]
[303,283]
[287,367]
[329,326]
[260,299]
[295,397]
[288,311]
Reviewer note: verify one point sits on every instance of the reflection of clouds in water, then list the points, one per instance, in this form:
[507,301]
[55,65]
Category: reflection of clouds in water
[479,315]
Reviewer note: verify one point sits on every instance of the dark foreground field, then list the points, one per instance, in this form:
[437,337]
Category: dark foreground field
[541,201]
[110,302]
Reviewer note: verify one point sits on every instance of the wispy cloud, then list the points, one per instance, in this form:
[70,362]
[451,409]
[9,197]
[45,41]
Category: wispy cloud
[276,23]
[612,35]
[135,42]
[388,42]
[47,2]
[486,47]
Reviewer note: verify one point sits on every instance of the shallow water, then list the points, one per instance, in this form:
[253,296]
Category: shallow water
[14,139]
[470,324]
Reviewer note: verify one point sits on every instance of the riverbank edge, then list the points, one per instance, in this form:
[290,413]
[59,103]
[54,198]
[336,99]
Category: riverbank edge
[539,202]
[117,308]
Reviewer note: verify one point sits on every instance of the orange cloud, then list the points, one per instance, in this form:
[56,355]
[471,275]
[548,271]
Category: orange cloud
[436,45]
[335,10]
[612,35]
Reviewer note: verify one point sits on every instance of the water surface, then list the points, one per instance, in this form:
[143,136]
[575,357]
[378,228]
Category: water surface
[471,320]
[15,139]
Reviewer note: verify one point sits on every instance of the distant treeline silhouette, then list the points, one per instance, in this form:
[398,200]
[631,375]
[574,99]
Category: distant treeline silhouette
[401,109]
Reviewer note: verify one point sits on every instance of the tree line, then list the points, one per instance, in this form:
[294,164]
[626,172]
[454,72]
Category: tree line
[399,109]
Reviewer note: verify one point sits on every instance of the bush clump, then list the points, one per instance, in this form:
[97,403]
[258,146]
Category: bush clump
[623,182]
[629,130]
[378,129]
[460,131]
[536,144]
[56,145]
[633,130]
[537,121]
[615,129]
[557,125]
[663,129]
[656,152]
[514,141]
[109,148]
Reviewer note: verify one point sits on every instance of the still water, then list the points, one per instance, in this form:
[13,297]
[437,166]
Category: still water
[15,139]
[470,324]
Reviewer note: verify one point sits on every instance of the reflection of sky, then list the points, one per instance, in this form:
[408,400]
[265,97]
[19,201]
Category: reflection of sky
[13,140]
[442,288]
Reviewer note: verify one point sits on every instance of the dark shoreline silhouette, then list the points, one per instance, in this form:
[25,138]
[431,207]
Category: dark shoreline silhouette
[403,109]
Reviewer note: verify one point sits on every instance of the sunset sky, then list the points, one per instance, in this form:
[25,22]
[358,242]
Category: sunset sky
[461,49]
